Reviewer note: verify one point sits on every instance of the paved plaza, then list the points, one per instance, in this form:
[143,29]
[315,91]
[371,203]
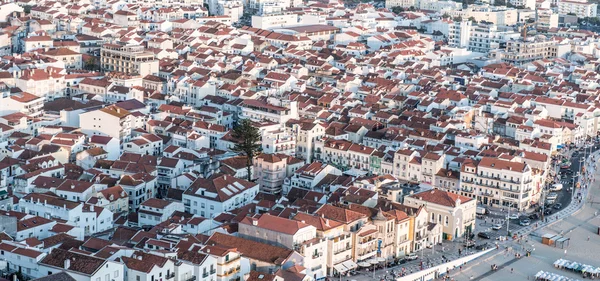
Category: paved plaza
[576,222]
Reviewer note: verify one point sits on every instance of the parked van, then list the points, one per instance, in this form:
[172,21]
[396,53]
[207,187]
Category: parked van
[481,211]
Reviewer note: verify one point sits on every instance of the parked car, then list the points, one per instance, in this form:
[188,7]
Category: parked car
[513,217]
[556,187]
[534,216]
[552,196]
[557,206]
[497,226]
[484,235]
[482,246]
[525,222]
[412,257]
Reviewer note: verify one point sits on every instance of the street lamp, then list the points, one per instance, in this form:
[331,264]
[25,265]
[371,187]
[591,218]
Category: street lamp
[508,220]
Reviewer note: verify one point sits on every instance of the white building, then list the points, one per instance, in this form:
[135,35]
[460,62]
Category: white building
[497,182]
[217,194]
[582,9]
[80,266]
[276,231]
[268,21]
[154,211]
[260,111]
[111,121]
[47,83]
[459,33]
[142,266]
[89,218]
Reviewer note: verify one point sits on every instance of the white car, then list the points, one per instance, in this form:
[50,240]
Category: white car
[412,257]
[513,216]
[497,226]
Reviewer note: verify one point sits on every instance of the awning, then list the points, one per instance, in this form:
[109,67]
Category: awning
[372,261]
[364,264]
[340,268]
[349,264]
[380,259]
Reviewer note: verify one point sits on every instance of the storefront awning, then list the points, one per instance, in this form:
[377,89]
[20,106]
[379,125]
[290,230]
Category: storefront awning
[350,264]
[340,268]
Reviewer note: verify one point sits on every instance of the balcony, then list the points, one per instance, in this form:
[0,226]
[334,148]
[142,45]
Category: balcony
[193,278]
[170,276]
[231,271]
[342,250]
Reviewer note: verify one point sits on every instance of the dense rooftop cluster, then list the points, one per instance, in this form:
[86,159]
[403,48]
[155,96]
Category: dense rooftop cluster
[381,130]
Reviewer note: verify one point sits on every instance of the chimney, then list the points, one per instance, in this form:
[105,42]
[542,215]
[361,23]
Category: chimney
[67,263]
[326,222]
[92,208]
[254,222]
[139,257]
[72,186]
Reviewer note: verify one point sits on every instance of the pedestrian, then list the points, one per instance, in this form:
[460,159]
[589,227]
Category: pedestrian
[588,238]
[511,270]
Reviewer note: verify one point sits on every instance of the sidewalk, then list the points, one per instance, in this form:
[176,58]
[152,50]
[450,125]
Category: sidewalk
[506,261]
[576,203]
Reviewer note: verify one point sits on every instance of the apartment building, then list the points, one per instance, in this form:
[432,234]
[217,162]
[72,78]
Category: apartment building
[485,37]
[47,83]
[80,266]
[486,13]
[24,258]
[263,111]
[111,121]
[309,176]
[456,213]
[23,102]
[128,60]
[279,141]
[219,193]
[339,242]
[529,4]
[71,59]
[277,231]
[459,33]
[519,52]
[546,19]
[498,182]
[272,169]
[154,211]
[142,266]
[306,135]
[89,218]
[580,8]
